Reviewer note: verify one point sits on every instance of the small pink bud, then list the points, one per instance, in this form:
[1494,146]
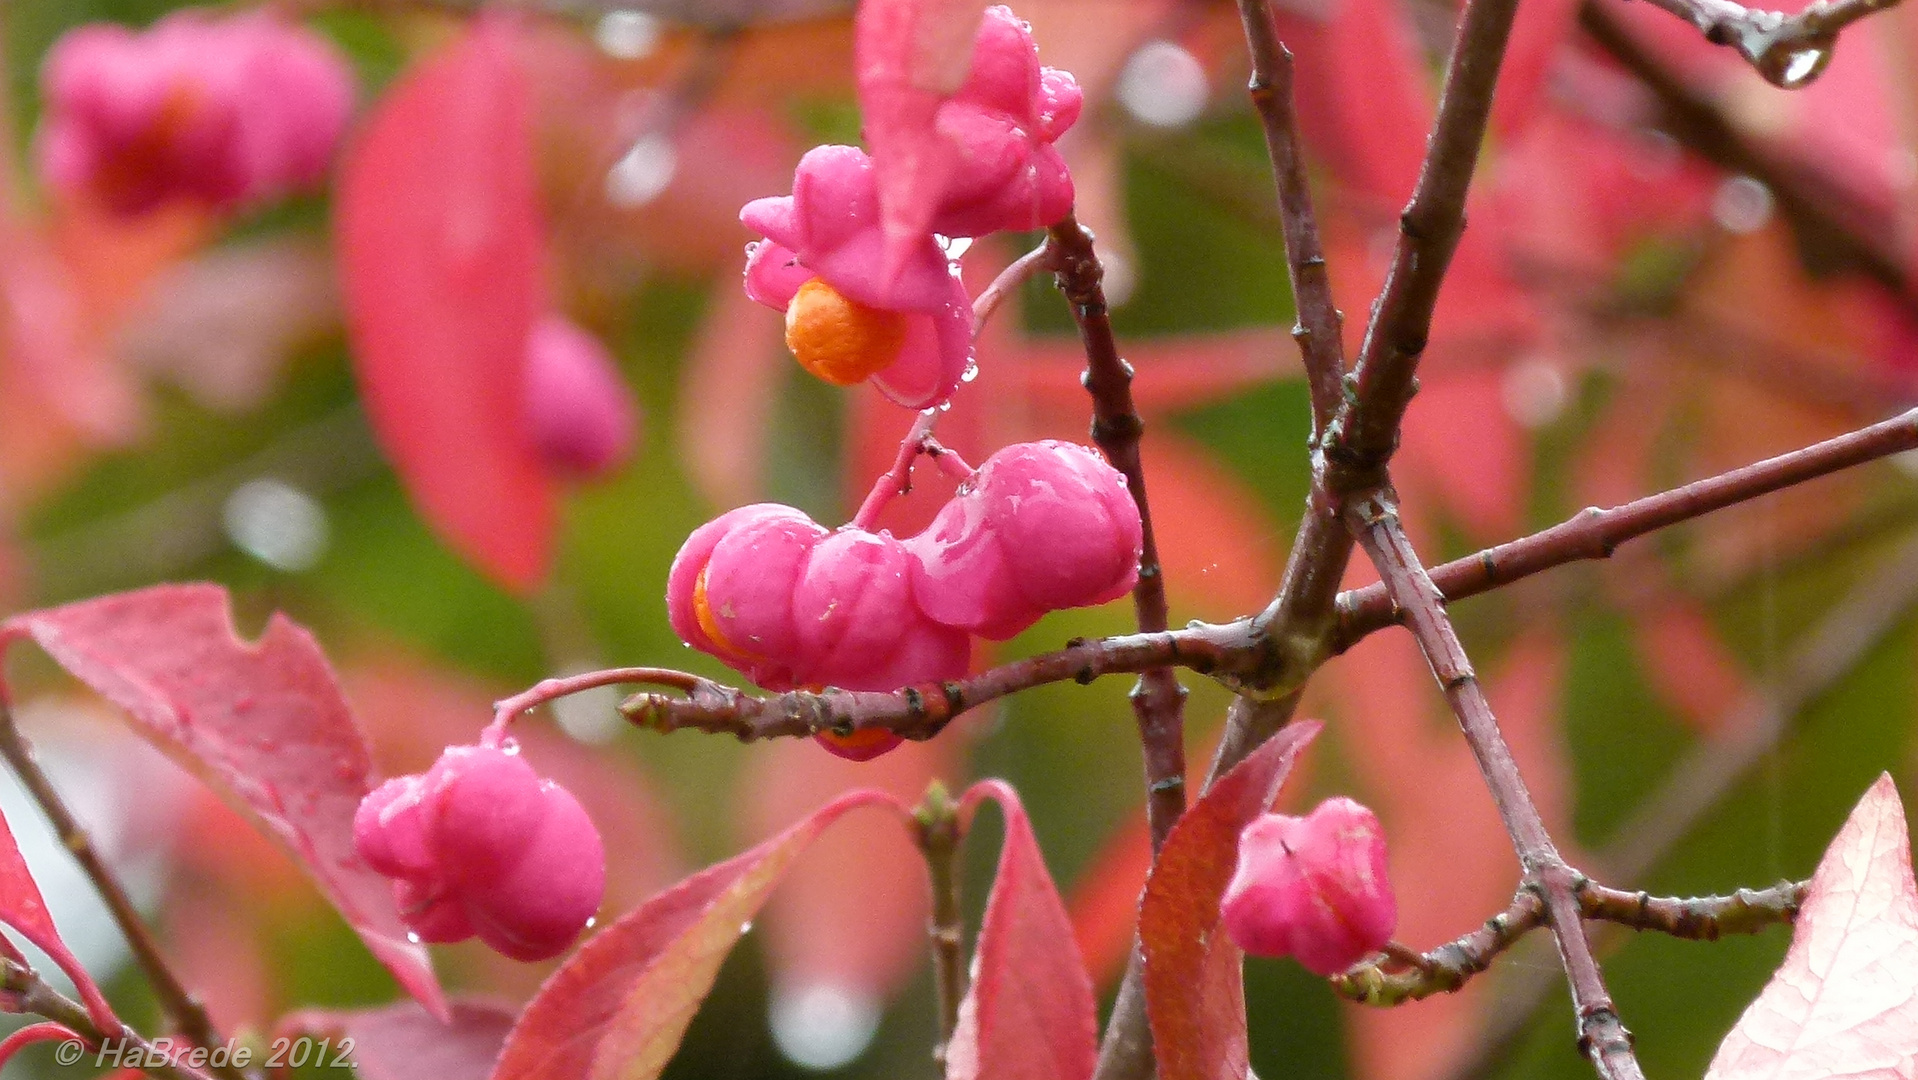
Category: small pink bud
[1040,527]
[579,409]
[1314,888]
[216,111]
[480,845]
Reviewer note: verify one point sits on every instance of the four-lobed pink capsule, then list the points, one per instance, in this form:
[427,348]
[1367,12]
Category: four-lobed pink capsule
[1039,527]
[1313,887]
[481,845]
[223,112]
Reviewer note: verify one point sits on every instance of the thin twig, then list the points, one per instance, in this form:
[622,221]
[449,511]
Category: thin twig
[1429,231]
[923,710]
[1384,982]
[1788,50]
[1158,698]
[939,835]
[1395,978]
[1320,329]
[1699,781]
[29,993]
[182,1009]
[1009,282]
[1698,918]
[1834,228]
[1595,533]
[1601,1035]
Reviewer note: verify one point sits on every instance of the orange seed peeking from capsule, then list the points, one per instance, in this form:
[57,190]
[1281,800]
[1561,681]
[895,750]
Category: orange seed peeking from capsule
[838,338]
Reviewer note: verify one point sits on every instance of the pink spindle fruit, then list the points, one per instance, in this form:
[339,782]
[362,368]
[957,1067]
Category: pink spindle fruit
[480,845]
[1041,526]
[221,112]
[1312,887]
[581,413]
[776,596]
[961,152]
[850,315]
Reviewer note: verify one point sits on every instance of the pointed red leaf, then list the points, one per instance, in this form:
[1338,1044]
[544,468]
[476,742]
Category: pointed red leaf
[1029,1014]
[808,942]
[24,910]
[618,1008]
[441,255]
[262,721]
[1845,1001]
[405,1042]
[32,1033]
[1193,991]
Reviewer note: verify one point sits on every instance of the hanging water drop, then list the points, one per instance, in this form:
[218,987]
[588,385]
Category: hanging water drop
[1796,64]
[971,372]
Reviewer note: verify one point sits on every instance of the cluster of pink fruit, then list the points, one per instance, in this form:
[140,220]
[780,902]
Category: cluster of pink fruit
[1039,527]
[226,113]
[223,112]
[480,845]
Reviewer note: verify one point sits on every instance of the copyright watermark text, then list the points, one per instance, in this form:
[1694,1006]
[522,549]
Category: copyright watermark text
[283,1053]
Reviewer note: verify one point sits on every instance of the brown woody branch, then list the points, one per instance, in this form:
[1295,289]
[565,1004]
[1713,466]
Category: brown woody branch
[1158,699]
[182,1009]
[921,711]
[1788,50]
[1699,781]
[1834,229]
[1595,533]
[1399,975]
[1601,1035]
[1320,330]
[27,992]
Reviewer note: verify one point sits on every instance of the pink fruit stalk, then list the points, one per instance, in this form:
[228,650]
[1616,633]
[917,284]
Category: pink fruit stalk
[1040,527]
[776,596]
[850,317]
[1312,887]
[480,845]
[221,112]
[580,412]
[976,159]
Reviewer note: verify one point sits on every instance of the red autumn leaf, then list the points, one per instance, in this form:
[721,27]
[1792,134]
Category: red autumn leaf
[27,1036]
[910,55]
[1845,1001]
[860,866]
[24,910]
[1364,101]
[618,1008]
[441,255]
[262,721]
[1029,1014]
[404,1041]
[1194,994]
